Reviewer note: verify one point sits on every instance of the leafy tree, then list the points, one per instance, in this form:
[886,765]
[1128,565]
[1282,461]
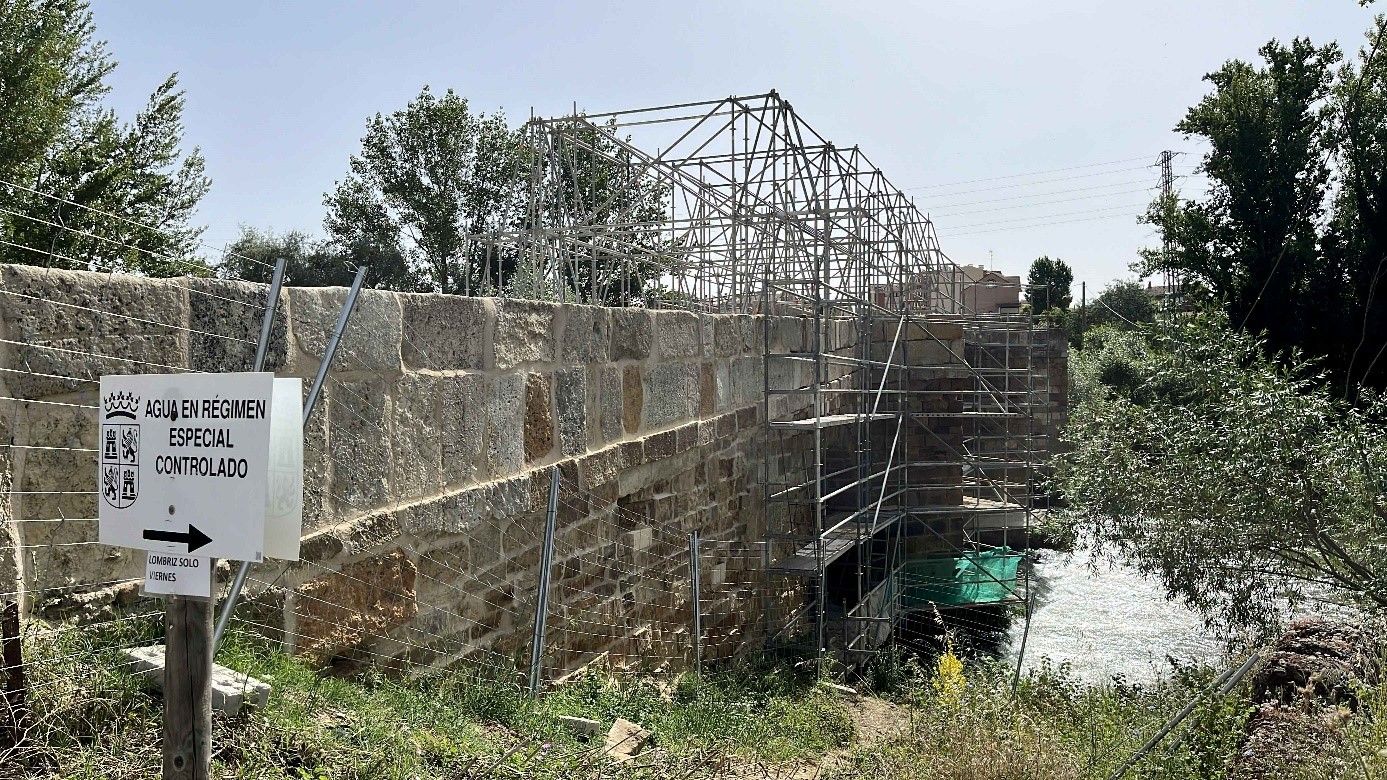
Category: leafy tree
[1355,243]
[1291,237]
[430,179]
[77,188]
[309,262]
[1047,285]
[1253,240]
[1122,305]
[592,183]
[435,184]
[1239,481]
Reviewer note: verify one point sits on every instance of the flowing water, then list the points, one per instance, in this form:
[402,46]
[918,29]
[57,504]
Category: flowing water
[1105,621]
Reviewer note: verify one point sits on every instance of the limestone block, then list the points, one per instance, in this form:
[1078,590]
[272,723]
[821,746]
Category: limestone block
[371,341]
[59,555]
[317,469]
[446,332]
[505,414]
[416,426]
[59,454]
[571,399]
[539,416]
[74,326]
[462,414]
[751,337]
[722,384]
[727,337]
[344,609]
[505,499]
[633,398]
[748,385]
[10,539]
[56,526]
[585,334]
[357,536]
[631,334]
[524,332]
[231,690]
[358,416]
[659,446]
[671,394]
[788,334]
[707,389]
[611,403]
[599,468]
[583,728]
[677,333]
[225,317]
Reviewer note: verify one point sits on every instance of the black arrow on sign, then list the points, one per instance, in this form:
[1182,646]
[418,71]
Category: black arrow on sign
[194,538]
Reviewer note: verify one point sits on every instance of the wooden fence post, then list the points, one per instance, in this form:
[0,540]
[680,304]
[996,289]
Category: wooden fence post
[12,656]
[187,689]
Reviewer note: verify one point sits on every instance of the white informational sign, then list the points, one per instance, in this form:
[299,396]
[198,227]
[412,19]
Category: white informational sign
[284,513]
[177,575]
[184,463]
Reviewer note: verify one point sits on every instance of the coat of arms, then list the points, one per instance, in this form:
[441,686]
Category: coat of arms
[120,449]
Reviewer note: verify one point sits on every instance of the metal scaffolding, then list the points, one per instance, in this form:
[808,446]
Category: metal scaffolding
[900,420]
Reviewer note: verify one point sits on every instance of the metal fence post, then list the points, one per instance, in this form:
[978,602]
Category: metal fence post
[697,603]
[542,595]
[343,316]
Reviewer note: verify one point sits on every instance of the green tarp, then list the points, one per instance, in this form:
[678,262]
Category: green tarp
[984,577]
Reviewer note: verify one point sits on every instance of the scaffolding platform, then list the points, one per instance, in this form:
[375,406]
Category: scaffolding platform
[739,206]
[829,421]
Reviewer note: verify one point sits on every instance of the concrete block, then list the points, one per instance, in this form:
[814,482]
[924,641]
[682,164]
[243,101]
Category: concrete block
[231,690]
[583,728]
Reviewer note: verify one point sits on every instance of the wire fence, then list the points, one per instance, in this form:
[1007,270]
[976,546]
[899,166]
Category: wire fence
[459,587]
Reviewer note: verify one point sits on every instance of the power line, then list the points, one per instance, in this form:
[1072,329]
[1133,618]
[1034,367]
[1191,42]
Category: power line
[1039,225]
[1025,195]
[1024,175]
[1016,206]
[1043,217]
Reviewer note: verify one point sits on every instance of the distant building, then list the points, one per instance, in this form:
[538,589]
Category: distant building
[984,291]
[969,289]
[1160,294]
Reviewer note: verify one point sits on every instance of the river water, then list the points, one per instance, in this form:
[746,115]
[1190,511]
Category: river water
[1105,621]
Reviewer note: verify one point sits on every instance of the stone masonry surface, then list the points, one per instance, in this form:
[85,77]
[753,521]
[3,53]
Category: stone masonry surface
[426,465]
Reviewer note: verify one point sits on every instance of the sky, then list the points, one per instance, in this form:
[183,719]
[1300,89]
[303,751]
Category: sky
[1022,128]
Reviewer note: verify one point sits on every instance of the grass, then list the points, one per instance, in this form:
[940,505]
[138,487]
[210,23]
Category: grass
[960,721]
[97,722]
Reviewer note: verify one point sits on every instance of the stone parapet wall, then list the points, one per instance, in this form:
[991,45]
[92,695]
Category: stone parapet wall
[426,464]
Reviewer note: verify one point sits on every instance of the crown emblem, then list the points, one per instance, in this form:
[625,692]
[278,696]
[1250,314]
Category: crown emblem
[122,404]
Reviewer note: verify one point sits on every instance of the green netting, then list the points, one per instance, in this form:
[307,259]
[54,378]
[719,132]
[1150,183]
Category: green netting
[982,577]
